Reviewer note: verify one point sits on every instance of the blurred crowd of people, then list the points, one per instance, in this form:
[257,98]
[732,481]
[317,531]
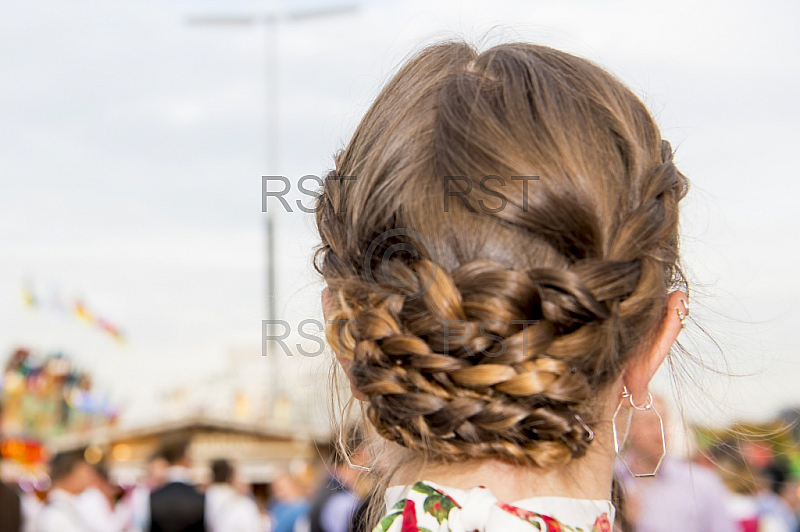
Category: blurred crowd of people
[736,485]
[82,498]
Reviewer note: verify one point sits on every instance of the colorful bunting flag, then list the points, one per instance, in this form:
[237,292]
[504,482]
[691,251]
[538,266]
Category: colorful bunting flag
[78,309]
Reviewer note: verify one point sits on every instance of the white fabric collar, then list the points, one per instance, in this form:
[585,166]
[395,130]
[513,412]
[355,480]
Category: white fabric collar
[482,511]
[60,495]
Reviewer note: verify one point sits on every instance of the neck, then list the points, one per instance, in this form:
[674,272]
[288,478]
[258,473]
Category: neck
[588,477]
[179,473]
[66,486]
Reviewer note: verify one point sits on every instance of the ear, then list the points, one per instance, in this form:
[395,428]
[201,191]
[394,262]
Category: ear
[328,308]
[639,371]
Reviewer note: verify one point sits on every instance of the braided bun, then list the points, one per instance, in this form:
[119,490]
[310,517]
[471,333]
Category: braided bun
[482,315]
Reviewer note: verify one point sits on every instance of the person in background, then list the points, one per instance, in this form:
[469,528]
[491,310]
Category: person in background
[10,505]
[337,501]
[771,466]
[680,497]
[775,512]
[227,510]
[31,501]
[779,512]
[70,475]
[289,503]
[177,506]
[360,521]
[750,500]
[772,472]
[10,510]
[135,506]
[97,503]
[742,487]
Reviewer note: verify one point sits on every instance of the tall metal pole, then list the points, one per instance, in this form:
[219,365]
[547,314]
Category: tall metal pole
[271,21]
[273,149]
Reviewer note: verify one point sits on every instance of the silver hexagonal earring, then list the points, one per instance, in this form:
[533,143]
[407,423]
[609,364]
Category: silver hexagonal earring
[346,455]
[620,442]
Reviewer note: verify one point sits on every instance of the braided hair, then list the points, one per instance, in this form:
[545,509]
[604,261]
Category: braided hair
[500,235]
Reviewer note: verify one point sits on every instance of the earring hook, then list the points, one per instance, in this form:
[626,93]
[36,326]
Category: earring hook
[618,445]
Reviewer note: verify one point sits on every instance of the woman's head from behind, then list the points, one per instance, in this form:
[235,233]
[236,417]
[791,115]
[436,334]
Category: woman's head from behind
[500,238]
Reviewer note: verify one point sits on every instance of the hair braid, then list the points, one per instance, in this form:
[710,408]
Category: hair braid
[515,383]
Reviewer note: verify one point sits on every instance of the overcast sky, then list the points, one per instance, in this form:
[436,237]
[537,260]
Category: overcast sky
[132,145]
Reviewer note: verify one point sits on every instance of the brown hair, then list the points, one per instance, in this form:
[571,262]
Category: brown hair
[499,235]
[64,463]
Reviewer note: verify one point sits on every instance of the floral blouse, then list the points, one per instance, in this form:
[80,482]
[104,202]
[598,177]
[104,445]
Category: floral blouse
[428,507]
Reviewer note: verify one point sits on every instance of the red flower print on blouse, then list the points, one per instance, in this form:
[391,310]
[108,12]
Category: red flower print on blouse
[601,524]
[532,517]
[409,517]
